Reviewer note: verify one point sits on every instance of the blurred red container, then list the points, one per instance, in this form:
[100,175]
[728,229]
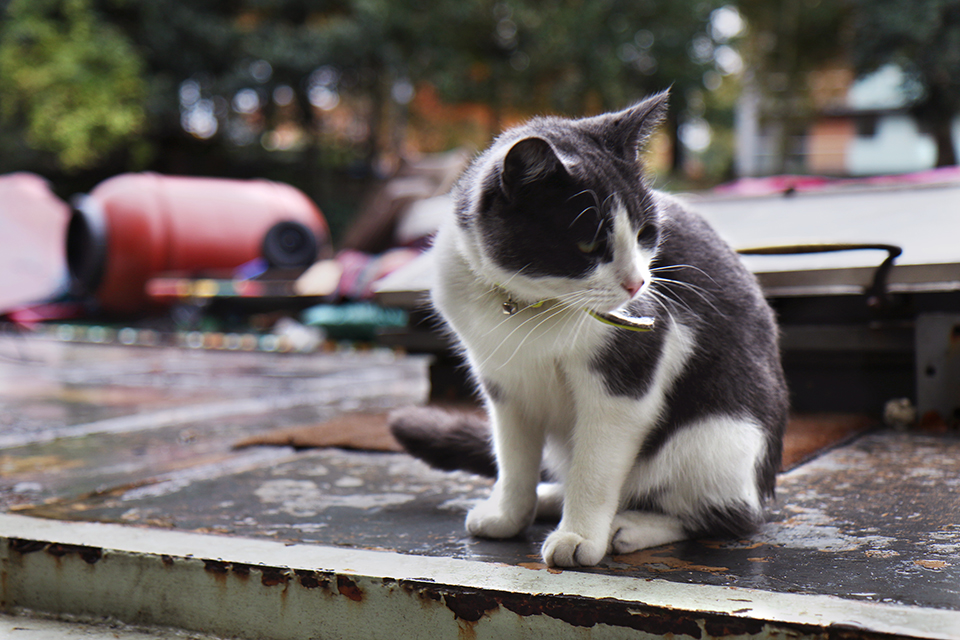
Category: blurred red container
[32,224]
[135,226]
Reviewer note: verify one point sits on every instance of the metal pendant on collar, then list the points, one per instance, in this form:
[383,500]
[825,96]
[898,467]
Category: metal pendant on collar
[511,307]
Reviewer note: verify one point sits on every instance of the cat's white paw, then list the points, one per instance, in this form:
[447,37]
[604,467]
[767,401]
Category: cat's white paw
[569,549]
[635,530]
[488,520]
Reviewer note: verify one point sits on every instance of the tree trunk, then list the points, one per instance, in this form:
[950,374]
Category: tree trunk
[673,126]
[943,136]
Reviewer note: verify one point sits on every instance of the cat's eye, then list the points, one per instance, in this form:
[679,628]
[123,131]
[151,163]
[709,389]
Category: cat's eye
[646,232]
[588,247]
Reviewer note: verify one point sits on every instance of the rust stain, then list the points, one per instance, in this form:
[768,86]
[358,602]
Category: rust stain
[426,594]
[760,559]
[90,555]
[24,547]
[539,566]
[744,545]
[311,579]
[659,560]
[466,630]
[724,627]
[931,564]
[349,588]
[470,606]
[585,612]
[273,576]
[216,567]
[242,571]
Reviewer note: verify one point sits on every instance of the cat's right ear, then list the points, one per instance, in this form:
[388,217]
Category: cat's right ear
[529,160]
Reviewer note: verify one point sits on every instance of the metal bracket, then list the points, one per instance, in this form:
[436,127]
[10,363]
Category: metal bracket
[877,294]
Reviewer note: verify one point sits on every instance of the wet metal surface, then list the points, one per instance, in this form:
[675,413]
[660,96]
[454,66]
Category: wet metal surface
[143,437]
[876,520]
[76,419]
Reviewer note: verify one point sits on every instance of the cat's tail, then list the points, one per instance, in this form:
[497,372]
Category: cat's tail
[446,440]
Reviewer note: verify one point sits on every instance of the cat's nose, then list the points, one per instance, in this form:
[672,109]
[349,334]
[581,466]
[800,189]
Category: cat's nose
[632,286]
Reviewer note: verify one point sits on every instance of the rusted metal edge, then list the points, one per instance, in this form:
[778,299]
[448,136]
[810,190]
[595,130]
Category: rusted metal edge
[264,589]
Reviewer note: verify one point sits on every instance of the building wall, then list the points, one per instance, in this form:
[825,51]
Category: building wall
[896,146]
[826,146]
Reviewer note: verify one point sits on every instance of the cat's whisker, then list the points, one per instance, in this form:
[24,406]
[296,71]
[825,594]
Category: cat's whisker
[668,304]
[596,206]
[544,317]
[591,193]
[574,221]
[609,197]
[574,335]
[704,294]
[674,267]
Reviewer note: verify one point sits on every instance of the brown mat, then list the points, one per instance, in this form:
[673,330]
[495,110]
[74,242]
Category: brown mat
[806,436]
[810,434]
[363,431]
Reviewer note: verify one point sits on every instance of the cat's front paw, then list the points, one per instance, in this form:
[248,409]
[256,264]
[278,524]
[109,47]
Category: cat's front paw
[488,520]
[569,549]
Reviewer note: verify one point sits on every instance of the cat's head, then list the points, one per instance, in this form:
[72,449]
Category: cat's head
[559,209]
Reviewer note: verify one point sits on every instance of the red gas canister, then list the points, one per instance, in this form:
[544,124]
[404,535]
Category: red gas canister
[135,226]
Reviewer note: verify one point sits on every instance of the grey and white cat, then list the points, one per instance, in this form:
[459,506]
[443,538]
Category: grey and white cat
[633,438]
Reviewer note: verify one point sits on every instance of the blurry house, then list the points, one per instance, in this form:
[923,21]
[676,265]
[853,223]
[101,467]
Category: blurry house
[859,127]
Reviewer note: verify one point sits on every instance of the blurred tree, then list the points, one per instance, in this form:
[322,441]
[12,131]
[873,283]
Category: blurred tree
[72,82]
[218,87]
[787,40]
[923,38]
[573,57]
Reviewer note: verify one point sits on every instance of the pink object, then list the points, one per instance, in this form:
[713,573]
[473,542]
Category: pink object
[361,271]
[133,227]
[33,223]
[771,185]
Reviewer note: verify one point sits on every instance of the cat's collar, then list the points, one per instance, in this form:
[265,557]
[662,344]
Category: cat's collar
[509,306]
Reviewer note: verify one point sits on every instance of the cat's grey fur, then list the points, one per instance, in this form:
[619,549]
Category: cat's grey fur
[647,438]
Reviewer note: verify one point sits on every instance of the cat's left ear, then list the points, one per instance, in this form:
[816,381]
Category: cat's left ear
[626,132]
[528,161]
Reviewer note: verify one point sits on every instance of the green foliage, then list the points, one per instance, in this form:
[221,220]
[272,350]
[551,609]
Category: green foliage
[923,38]
[74,81]
[568,56]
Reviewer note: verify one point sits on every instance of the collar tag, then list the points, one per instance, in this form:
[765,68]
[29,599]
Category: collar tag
[623,322]
[511,307]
